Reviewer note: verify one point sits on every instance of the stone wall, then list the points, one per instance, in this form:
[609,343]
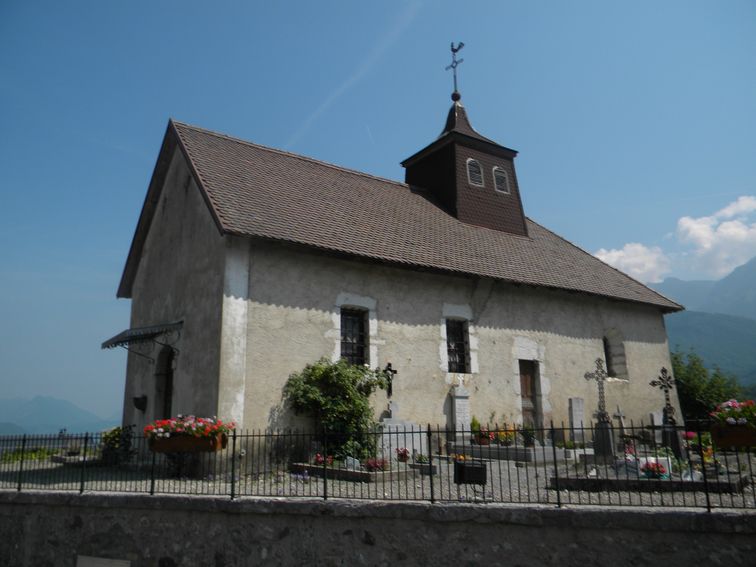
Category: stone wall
[292,318]
[52,529]
[180,278]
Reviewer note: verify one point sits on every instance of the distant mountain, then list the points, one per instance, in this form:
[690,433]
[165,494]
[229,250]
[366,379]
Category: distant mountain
[43,414]
[735,294]
[725,341]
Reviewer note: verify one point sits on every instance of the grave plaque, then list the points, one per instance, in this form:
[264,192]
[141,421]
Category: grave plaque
[461,411]
[577,417]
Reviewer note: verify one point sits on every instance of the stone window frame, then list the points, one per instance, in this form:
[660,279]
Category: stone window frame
[459,313]
[613,348]
[346,300]
[498,169]
[469,163]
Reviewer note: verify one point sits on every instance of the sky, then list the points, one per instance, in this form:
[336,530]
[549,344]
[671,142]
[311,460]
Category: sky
[635,125]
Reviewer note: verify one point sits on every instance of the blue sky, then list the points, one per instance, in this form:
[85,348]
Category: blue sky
[635,123]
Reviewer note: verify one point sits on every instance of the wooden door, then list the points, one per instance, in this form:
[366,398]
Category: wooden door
[528,393]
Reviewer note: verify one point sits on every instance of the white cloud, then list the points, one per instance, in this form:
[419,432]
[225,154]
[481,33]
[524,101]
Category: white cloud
[639,261]
[723,240]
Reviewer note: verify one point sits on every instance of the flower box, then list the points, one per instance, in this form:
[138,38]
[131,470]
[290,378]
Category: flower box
[189,444]
[470,472]
[426,469]
[733,435]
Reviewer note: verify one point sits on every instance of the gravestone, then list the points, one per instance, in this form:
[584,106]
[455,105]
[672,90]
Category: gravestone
[351,464]
[461,415]
[577,417]
[399,433]
[657,418]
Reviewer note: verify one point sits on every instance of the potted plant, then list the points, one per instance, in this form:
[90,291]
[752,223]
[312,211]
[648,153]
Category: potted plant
[505,437]
[402,454]
[321,460]
[375,464]
[652,469]
[528,435]
[735,424]
[188,434]
[469,471]
[423,464]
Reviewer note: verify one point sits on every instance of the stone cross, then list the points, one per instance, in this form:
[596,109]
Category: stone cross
[621,418]
[600,377]
[666,383]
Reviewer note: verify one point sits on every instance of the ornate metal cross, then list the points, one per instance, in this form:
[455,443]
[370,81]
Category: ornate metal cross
[666,383]
[454,64]
[600,377]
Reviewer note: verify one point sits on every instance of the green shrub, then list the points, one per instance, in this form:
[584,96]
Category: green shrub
[337,397]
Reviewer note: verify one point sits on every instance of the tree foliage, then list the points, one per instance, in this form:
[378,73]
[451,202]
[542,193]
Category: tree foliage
[337,396]
[699,389]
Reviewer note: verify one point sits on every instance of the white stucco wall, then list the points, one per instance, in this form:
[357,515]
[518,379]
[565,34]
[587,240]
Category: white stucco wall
[180,277]
[292,312]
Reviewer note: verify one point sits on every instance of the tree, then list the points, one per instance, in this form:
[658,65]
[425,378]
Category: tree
[699,390]
[337,396]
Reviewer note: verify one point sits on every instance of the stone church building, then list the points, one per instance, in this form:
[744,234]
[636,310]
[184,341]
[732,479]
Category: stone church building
[249,262]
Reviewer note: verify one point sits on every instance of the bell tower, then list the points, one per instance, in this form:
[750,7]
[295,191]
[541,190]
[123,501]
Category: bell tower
[469,176]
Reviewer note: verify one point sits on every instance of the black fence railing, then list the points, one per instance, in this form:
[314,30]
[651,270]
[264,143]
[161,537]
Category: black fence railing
[640,465]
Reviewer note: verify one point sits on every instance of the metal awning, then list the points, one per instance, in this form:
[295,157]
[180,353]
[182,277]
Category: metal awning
[141,334]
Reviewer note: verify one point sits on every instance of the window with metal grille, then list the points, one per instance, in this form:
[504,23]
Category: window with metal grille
[474,173]
[353,336]
[457,346]
[501,180]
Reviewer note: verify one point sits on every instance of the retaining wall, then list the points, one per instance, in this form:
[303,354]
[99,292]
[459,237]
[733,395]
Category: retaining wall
[52,529]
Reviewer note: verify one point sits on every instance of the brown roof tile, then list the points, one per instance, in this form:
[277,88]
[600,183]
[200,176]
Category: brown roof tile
[263,192]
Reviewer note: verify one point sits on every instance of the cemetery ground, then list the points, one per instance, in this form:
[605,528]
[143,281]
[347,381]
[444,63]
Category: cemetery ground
[294,465]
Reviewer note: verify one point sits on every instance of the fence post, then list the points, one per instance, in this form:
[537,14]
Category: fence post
[152,474]
[430,465]
[21,463]
[233,465]
[84,464]
[703,464]
[325,465]
[556,465]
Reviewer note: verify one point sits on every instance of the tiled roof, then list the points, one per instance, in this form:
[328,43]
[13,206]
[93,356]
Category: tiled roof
[262,192]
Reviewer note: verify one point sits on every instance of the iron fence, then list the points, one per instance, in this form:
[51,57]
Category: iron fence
[644,466]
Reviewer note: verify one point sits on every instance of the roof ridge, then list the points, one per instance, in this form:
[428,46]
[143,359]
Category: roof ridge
[628,276]
[290,154]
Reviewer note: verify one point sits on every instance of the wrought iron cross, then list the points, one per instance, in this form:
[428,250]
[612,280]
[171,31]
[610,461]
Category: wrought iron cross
[666,383]
[600,377]
[453,66]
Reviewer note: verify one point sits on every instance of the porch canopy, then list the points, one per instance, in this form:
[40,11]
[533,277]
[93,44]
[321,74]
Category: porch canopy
[141,334]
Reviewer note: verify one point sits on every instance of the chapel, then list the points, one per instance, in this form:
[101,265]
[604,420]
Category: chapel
[249,262]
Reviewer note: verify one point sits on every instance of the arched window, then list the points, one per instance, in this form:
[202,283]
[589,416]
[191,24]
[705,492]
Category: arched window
[501,180]
[474,173]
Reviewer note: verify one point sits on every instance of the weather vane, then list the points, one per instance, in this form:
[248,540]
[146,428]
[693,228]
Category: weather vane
[455,95]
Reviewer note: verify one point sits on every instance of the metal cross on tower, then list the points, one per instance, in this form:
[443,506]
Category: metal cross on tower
[666,383]
[600,377]
[455,95]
